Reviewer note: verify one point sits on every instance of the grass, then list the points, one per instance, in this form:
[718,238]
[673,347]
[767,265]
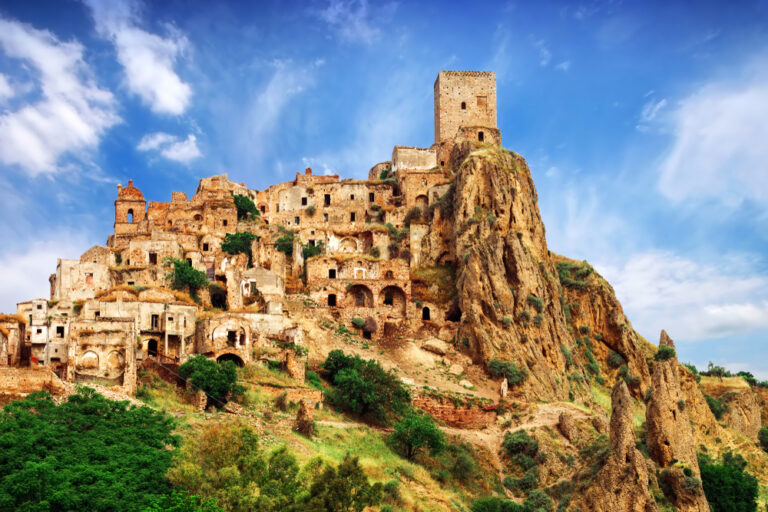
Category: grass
[257,374]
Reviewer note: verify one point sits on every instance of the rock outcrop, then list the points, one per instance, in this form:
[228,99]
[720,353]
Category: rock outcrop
[670,436]
[622,484]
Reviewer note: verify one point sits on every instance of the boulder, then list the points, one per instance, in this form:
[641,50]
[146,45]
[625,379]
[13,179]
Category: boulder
[305,418]
[465,383]
[456,369]
[565,426]
[436,346]
[233,408]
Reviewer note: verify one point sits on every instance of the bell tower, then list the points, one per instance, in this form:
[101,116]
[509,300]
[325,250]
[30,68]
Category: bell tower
[130,208]
[464,99]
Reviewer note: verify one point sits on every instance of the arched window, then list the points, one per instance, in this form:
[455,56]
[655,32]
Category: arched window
[425,313]
[389,275]
[130,215]
[463,105]
[388,299]
[480,136]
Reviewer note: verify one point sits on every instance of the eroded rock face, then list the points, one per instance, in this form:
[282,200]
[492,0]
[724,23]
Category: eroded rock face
[622,484]
[305,418]
[670,436]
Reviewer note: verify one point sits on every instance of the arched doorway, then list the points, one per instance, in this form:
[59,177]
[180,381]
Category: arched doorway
[425,315]
[230,357]
[152,347]
[393,296]
[360,296]
[218,296]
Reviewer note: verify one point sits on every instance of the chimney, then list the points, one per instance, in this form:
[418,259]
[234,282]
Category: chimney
[308,171]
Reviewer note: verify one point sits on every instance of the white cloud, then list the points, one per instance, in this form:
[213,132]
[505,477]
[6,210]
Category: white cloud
[6,91]
[719,149]
[147,58]
[691,300]
[544,54]
[72,113]
[171,146]
[564,66]
[356,21]
[651,110]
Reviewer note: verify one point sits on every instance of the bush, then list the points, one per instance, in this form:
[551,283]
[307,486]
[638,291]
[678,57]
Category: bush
[358,322]
[178,501]
[415,432]
[245,207]
[183,276]
[412,214]
[87,453]
[538,502]
[567,355]
[616,360]
[664,353]
[507,321]
[284,243]
[520,442]
[310,210]
[535,302]
[308,251]
[239,243]
[314,380]
[344,488]
[214,379]
[716,406]
[538,320]
[762,436]
[507,369]
[727,486]
[567,271]
[364,388]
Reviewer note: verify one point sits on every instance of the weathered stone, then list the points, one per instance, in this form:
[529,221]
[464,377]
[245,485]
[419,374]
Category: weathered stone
[436,346]
[503,388]
[465,383]
[294,365]
[456,369]
[233,407]
[199,400]
[566,427]
[305,418]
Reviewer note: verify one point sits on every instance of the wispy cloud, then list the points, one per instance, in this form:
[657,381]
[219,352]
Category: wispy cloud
[356,21]
[692,300]
[73,112]
[171,146]
[545,55]
[649,112]
[564,66]
[147,59]
[719,149]
[6,91]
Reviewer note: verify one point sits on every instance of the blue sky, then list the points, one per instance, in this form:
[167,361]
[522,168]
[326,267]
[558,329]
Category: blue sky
[645,125]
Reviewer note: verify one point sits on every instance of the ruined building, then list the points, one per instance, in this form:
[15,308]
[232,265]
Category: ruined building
[353,247]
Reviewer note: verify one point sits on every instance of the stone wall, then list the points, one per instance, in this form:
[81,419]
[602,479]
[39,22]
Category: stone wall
[463,98]
[461,417]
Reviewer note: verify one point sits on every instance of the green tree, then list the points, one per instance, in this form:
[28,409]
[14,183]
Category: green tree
[217,380]
[88,453]
[245,207]
[664,353]
[415,432]
[727,486]
[507,369]
[495,504]
[364,388]
[284,243]
[341,489]
[239,243]
[179,501]
[183,276]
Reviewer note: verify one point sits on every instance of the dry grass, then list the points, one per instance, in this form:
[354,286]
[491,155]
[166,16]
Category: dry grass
[16,318]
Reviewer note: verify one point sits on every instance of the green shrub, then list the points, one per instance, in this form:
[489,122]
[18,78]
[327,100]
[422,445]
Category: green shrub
[538,501]
[664,353]
[239,243]
[520,442]
[716,406]
[762,436]
[415,432]
[727,486]
[284,243]
[364,388]
[412,214]
[507,321]
[183,276]
[584,329]
[314,380]
[572,275]
[616,360]
[507,369]
[538,320]
[87,453]
[568,356]
[245,207]
[358,322]
[528,481]
[535,302]
[375,252]
[310,210]
[523,316]
[216,380]
[308,251]
[495,504]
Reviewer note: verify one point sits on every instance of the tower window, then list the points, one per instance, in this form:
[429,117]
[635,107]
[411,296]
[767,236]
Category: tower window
[205,247]
[371,197]
[327,199]
[351,196]
[463,105]
[224,222]
[352,217]
[331,273]
[130,215]
[480,136]
[296,220]
[303,201]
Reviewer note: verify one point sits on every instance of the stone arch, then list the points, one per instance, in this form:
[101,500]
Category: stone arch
[348,244]
[230,333]
[359,296]
[115,360]
[263,207]
[422,201]
[198,217]
[425,313]
[129,216]
[231,357]
[393,296]
[88,361]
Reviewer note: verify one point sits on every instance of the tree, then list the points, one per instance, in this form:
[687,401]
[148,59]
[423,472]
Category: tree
[716,371]
[284,243]
[183,276]
[179,501]
[364,388]
[727,486]
[88,453]
[216,380]
[341,489]
[239,243]
[417,431]
[507,369]
[245,207]
[664,353]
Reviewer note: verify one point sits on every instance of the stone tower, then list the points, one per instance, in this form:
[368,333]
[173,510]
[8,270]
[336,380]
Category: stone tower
[464,99]
[130,209]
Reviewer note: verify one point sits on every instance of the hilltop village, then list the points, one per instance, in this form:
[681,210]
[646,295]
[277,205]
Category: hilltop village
[351,248]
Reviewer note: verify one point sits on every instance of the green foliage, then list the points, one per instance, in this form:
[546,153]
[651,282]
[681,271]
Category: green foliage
[538,320]
[727,486]
[308,251]
[412,214]
[616,360]
[716,371]
[245,207]
[179,501]
[524,316]
[584,329]
[507,321]
[364,388]
[717,407]
[314,380]
[358,322]
[572,275]
[284,243]
[520,442]
[694,371]
[88,453]
[183,276]
[664,353]
[239,243]
[568,356]
[536,302]
[310,210]
[216,380]
[762,436]
[384,174]
[341,489]
[507,369]
[119,258]
[375,252]
[496,504]
[415,432]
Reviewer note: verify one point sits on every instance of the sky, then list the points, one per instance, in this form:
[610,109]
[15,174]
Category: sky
[645,124]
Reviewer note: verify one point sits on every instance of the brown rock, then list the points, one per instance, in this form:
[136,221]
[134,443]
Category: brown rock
[305,419]
[566,427]
[435,346]
[622,484]
[600,424]
[200,400]
[670,437]
[233,408]
[294,366]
